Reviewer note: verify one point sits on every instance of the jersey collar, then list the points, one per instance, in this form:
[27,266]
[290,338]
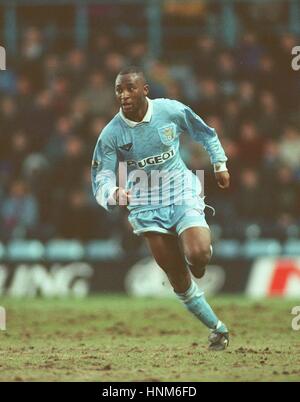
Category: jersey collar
[146,118]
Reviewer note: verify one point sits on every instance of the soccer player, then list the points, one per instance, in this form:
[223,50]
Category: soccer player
[144,137]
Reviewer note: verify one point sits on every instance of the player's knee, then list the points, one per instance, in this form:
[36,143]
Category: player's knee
[198,256]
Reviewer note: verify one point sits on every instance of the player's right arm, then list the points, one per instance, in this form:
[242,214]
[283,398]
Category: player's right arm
[104,173]
[104,170]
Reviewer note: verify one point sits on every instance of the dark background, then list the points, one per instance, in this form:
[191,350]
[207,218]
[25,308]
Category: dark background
[230,61]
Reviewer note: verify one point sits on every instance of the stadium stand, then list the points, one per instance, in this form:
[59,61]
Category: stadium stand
[56,98]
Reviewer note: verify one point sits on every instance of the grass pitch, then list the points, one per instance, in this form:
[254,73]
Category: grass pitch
[117,338]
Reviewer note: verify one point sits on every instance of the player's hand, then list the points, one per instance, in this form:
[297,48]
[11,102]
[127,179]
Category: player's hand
[223,179]
[122,196]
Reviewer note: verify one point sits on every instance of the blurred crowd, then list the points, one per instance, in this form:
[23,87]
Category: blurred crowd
[54,104]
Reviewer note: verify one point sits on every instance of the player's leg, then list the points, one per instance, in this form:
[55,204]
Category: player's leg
[195,243]
[196,246]
[166,252]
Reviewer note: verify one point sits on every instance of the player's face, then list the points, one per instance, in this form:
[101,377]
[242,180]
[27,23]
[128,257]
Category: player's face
[131,91]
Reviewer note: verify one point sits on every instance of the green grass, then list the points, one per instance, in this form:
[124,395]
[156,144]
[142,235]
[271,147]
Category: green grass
[116,338]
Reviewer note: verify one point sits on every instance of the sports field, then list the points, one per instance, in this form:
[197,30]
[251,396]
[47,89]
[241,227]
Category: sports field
[115,338]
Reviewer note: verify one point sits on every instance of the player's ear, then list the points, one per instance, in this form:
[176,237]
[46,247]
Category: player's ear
[146,89]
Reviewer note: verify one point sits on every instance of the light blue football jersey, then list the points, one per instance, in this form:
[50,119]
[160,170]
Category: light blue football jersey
[144,157]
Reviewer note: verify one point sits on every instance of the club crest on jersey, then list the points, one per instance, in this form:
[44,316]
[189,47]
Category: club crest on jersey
[167,134]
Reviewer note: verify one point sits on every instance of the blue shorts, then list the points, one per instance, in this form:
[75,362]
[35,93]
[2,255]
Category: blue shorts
[171,219]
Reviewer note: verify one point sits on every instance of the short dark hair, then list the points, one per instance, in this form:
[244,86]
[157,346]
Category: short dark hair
[132,70]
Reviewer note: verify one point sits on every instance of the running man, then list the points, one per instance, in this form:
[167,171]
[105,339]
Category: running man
[144,137]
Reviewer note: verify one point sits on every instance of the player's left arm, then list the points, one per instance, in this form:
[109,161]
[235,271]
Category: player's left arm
[208,137]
